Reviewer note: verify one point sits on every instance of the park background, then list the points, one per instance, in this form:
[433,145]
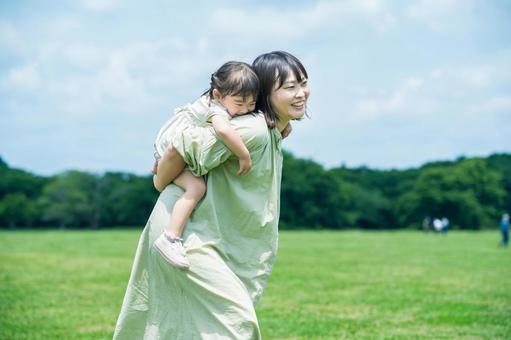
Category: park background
[409,116]
[472,193]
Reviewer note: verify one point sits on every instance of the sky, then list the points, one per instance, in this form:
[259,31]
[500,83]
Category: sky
[87,84]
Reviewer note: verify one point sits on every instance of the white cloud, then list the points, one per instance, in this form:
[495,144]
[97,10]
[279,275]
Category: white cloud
[83,56]
[10,38]
[84,76]
[443,94]
[393,104]
[499,104]
[99,5]
[478,77]
[371,103]
[26,77]
[273,24]
[438,114]
[471,80]
[442,15]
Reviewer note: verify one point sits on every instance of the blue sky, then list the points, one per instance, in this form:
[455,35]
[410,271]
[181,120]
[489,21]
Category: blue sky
[87,84]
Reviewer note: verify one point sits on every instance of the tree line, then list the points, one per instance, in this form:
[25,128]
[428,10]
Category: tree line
[471,192]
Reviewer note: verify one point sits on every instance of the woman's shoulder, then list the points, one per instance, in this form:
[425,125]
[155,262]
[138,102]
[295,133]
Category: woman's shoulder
[252,129]
[254,122]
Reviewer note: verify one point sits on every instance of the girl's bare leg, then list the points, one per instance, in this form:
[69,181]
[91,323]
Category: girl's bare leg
[169,167]
[194,188]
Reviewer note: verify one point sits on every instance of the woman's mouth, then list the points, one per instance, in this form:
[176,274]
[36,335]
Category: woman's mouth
[299,105]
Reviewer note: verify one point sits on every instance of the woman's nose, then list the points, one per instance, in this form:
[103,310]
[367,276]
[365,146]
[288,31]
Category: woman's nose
[300,93]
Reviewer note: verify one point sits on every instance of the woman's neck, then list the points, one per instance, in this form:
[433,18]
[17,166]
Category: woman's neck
[281,124]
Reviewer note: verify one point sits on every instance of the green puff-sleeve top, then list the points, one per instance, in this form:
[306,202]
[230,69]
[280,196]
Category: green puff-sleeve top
[230,241]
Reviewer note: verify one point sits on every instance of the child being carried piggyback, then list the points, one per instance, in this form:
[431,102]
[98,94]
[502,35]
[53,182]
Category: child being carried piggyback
[233,92]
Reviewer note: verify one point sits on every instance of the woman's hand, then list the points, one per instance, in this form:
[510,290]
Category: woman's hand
[245,165]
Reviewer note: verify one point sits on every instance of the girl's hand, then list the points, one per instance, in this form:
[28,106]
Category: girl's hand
[154,170]
[287,130]
[245,166]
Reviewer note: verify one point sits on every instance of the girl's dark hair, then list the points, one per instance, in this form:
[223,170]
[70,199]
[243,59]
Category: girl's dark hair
[234,78]
[273,69]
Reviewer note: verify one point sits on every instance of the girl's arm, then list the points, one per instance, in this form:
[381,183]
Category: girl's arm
[202,150]
[233,141]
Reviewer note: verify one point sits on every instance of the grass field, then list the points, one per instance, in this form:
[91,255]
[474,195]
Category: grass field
[325,285]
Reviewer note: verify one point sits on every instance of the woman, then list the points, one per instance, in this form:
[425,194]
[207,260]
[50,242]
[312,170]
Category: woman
[231,239]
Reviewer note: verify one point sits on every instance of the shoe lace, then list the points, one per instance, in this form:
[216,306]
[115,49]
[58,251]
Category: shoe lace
[173,239]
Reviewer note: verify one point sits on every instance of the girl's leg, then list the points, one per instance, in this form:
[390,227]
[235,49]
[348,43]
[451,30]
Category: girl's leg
[194,188]
[169,167]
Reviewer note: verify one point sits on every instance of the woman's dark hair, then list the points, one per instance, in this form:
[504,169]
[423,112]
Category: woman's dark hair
[234,78]
[273,69]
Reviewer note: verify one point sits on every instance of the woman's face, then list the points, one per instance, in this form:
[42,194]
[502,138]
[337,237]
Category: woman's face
[290,99]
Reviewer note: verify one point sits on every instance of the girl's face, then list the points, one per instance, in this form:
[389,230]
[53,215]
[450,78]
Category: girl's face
[290,99]
[235,105]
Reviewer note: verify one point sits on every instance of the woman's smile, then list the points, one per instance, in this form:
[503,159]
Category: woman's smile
[290,99]
[299,105]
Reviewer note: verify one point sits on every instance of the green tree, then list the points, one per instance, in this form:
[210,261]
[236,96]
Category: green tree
[16,210]
[468,193]
[373,194]
[69,200]
[310,196]
[471,192]
[15,180]
[502,163]
[134,201]
[369,209]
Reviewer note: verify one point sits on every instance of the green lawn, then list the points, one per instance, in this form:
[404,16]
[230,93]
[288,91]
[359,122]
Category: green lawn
[325,285]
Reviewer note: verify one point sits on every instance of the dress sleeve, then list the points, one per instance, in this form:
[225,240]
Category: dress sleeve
[202,150]
[217,109]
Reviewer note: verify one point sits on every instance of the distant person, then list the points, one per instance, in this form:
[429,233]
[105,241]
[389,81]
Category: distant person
[445,224]
[426,223]
[504,229]
[437,225]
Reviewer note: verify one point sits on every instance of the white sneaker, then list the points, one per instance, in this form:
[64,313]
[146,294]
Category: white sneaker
[172,250]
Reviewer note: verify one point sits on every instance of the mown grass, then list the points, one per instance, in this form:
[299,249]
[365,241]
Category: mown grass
[325,285]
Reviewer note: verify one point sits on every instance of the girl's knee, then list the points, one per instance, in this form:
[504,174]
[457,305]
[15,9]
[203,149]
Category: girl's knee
[195,188]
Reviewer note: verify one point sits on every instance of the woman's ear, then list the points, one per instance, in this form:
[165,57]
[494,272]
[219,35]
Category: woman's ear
[216,94]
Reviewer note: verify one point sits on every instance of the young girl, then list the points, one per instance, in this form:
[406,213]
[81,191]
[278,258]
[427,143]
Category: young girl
[233,92]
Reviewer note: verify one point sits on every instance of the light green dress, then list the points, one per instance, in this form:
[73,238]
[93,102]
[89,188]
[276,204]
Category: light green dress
[199,113]
[230,241]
